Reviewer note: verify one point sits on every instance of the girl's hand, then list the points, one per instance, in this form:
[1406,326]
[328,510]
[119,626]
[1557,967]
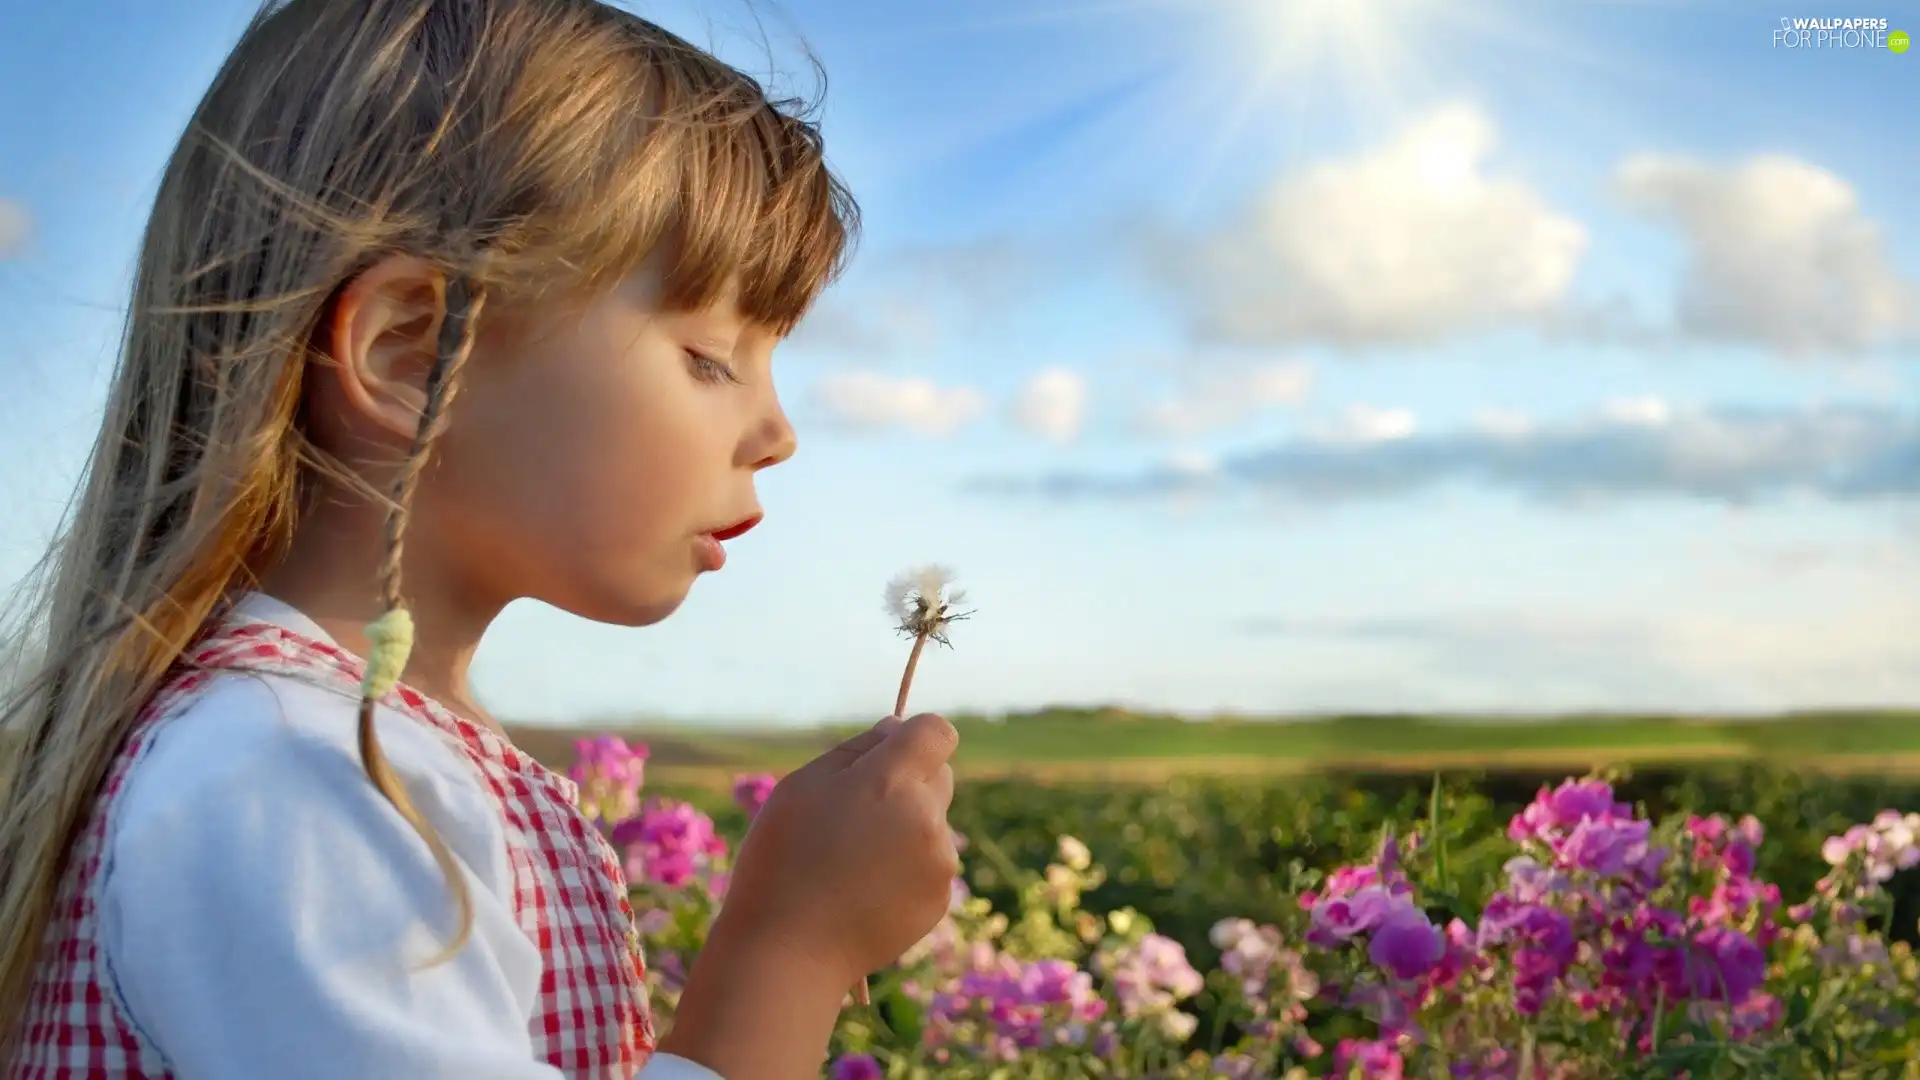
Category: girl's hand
[848,864]
[851,861]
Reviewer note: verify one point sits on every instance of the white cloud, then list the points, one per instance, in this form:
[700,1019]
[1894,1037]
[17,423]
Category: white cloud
[1369,423]
[15,225]
[1410,242]
[1780,254]
[1053,404]
[1649,409]
[867,401]
[1503,422]
[1194,463]
[1225,396]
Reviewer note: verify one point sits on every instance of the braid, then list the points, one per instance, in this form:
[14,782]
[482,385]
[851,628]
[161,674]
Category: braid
[391,635]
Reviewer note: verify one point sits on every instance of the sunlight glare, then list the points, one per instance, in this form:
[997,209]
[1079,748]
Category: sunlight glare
[1354,42]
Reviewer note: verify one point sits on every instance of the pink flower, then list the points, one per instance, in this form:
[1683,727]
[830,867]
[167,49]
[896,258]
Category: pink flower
[609,773]
[1373,1060]
[1564,807]
[752,790]
[1461,952]
[668,843]
[1152,975]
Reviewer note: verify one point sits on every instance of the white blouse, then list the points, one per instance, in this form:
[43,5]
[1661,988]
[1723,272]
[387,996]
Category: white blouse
[266,913]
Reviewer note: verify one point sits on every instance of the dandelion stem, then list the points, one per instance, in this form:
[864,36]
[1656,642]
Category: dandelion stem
[906,677]
[861,993]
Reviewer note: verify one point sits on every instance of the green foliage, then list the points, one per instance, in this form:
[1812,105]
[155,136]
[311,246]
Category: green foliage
[1197,849]
[1176,858]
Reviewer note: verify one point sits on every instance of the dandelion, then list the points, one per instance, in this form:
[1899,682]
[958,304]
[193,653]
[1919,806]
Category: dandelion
[923,603]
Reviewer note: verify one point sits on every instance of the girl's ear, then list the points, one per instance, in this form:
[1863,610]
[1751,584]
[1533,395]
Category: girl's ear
[381,336]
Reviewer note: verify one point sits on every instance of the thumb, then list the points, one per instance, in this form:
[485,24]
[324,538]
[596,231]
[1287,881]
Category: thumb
[920,747]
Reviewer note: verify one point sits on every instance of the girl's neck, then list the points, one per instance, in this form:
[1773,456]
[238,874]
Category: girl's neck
[330,575]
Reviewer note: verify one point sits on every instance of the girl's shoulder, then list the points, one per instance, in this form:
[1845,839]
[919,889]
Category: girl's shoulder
[248,748]
[257,898]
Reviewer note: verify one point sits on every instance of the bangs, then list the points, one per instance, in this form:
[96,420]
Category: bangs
[758,206]
[722,189]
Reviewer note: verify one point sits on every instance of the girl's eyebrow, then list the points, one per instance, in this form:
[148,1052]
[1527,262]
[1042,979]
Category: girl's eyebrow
[721,345]
[715,330]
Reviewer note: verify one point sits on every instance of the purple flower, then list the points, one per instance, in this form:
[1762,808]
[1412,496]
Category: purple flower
[1542,945]
[671,971]
[1530,883]
[856,1067]
[1607,847]
[1405,944]
[1002,1007]
[1738,859]
[1339,918]
[752,790]
[1725,966]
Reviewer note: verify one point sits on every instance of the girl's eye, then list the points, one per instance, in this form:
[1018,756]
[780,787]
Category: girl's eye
[707,369]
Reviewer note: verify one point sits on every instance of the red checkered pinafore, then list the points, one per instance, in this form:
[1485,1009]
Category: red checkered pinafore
[570,894]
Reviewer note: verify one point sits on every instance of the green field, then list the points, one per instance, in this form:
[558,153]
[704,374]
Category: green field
[1113,744]
[1116,745]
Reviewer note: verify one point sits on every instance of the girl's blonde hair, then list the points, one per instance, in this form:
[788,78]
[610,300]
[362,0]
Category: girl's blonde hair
[527,149]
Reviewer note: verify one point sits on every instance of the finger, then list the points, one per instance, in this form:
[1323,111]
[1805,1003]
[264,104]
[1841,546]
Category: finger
[856,747]
[952,854]
[941,786]
[940,789]
[920,747]
[871,737]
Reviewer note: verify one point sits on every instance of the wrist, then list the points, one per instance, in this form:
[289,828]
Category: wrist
[756,1007]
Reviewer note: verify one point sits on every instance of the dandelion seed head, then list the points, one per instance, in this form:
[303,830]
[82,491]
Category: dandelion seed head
[923,601]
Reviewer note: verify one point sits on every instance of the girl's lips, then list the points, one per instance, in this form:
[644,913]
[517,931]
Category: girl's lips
[737,529]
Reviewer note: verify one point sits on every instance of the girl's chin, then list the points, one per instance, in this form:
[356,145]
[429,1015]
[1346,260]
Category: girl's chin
[627,605]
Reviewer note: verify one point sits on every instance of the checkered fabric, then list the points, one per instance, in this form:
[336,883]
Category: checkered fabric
[570,893]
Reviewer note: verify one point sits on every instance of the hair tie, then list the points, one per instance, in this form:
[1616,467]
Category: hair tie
[391,637]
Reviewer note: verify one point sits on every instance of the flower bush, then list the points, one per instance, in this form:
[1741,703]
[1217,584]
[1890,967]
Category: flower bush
[1607,945]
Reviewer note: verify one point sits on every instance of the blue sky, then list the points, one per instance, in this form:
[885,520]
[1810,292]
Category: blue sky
[1275,356]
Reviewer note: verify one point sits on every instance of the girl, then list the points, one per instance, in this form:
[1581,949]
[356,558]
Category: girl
[547,248]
